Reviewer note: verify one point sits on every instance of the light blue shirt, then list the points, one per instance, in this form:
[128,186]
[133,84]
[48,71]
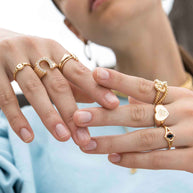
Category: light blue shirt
[49,166]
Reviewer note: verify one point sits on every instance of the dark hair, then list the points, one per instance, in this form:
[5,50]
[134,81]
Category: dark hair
[181,21]
[54,2]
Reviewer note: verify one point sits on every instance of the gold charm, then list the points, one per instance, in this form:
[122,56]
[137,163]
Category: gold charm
[169,136]
[160,87]
[39,70]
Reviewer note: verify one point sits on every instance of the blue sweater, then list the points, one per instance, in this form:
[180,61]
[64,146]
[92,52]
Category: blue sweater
[49,166]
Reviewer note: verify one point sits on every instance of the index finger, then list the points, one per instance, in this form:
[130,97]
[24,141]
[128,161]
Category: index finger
[82,77]
[138,88]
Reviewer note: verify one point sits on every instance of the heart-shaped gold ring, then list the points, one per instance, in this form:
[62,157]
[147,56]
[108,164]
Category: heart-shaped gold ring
[161,114]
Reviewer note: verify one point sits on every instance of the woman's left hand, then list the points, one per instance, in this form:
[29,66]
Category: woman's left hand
[142,148]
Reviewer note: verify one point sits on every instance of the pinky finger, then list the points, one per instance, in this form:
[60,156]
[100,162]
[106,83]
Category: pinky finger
[155,160]
[10,107]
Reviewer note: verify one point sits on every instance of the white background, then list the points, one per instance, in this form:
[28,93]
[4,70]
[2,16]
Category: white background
[41,18]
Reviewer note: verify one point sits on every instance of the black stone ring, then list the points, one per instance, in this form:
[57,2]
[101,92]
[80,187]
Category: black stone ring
[169,136]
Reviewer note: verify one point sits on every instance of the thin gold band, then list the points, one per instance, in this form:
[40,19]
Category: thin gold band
[20,67]
[65,59]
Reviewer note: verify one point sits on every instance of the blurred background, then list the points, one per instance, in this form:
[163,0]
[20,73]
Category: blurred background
[41,18]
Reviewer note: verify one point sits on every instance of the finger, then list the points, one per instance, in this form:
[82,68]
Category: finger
[134,101]
[60,93]
[138,88]
[80,95]
[82,77]
[141,140]
[135,115]
[11,109]
[37,96]
[155,160]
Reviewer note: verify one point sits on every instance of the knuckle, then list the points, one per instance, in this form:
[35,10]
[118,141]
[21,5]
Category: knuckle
[49,114]
[8,45]
[146,138]
[69,119]
[7,98]
[80,69]
[31,86]
[131,162]
[59,84]
[144,86]
[137,113]
[158,161]
[188,161]
[53,43]
[186,92]
[15,120]
[108,144]
[30,41]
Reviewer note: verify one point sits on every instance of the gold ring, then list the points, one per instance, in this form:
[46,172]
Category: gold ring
[39,70]
[18,68]
[65,59]
[161,88]
[161,114]
[169,136]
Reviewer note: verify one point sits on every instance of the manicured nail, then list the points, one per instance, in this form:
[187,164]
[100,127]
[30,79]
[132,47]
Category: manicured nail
[111,98]
[62,131]
[102,74]
[91,146]
[115,158]
[84,116]
[83,134]
[26,135]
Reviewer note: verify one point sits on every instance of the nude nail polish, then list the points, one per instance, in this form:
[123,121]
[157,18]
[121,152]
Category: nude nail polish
[25,135]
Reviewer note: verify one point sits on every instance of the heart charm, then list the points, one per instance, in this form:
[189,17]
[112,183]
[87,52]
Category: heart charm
[161,114]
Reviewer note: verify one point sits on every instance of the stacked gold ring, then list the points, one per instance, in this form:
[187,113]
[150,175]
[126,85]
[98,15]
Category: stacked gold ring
[65,59]
[19,67]
[161,88]
[161,113]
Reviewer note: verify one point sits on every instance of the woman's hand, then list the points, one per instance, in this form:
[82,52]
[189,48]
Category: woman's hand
[142,148]
[75,83]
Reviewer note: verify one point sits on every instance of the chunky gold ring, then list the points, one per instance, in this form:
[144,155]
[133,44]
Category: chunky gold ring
[65,59]
[161,88]
[169,136]
[18,68]
[39,70]
[161,114]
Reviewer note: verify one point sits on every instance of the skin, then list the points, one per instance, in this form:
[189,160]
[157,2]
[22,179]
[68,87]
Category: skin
[128,27]
[140,26]
[137,149]
[63,88]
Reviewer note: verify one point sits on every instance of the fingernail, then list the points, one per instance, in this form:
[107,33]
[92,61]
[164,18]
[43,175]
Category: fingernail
[111,98]
[83,134]
[84,116]
[115,158]
[26,135]
[61,131]
[102,74]
[91,146]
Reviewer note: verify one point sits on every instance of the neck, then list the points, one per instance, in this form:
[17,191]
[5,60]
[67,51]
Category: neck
[153,54]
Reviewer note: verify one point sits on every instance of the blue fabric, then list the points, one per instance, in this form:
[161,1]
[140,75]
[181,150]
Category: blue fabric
[49,166]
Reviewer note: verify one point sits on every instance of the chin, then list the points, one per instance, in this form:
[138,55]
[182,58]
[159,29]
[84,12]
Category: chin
[114,17]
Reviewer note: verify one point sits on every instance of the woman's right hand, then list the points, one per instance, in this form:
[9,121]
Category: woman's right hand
[75,83]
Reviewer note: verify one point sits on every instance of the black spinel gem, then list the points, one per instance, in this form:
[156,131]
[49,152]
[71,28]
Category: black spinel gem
[170,135]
